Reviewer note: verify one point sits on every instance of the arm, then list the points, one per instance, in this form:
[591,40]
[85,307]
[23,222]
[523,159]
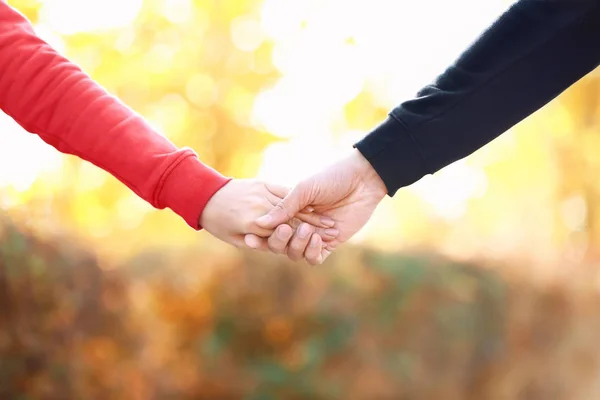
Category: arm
[50,96]
[532,53]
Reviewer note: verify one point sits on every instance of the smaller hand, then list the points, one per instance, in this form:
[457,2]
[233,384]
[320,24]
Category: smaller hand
[231,213]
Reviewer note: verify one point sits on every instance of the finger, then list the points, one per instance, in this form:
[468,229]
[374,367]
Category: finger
[299,242]
[278,241]
[313,251]
[330,247]
[250,226]
[258,231]
[296,200]
[237,241]
[327,234]
[278,190]
[256,242]
[315,219]
[311,218]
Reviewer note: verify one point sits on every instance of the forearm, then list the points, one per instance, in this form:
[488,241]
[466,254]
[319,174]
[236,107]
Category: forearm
[50,96]
[531,54]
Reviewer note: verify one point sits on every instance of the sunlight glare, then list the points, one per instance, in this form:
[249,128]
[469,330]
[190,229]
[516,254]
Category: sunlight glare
[246,33]
[23,156]
[69,17]
[328,51]
[178,11]
[449,190]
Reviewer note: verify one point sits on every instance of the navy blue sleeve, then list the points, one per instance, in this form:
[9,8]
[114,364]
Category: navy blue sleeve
[531,54]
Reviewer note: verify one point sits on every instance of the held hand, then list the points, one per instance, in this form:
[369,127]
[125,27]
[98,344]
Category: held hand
[348,192]
[232,211]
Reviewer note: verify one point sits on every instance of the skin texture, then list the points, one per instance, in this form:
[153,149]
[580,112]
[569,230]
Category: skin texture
[232,211]
[348,192]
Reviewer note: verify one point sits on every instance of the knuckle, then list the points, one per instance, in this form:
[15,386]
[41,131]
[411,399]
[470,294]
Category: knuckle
[281,207]
[247,226]
[297,246]
[308,186]
[304,184]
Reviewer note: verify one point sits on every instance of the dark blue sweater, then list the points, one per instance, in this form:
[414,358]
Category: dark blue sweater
[532,53]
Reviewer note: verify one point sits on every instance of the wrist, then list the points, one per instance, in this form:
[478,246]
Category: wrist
[211,208]
[367,174]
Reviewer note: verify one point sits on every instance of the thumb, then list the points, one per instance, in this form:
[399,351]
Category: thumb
[296,200]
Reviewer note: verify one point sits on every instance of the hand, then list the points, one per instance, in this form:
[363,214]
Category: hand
[232,211]
[348,192]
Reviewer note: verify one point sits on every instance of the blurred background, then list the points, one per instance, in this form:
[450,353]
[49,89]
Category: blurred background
[480,282]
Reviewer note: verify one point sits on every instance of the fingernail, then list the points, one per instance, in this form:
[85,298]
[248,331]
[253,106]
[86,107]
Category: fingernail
[304,231]
[328,222]
[264,220]
[332,232]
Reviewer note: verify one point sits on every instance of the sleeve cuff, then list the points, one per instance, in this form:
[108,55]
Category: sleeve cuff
[394,155]
[188,188]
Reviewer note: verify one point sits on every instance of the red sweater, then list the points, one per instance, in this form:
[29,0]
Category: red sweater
[50,96]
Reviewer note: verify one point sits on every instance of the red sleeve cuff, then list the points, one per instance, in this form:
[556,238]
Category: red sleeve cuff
[188,187]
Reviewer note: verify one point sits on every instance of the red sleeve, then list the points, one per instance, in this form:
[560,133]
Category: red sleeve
[50,96]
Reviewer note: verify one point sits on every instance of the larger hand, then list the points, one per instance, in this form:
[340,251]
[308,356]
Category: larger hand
[231,212]
[348,191]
